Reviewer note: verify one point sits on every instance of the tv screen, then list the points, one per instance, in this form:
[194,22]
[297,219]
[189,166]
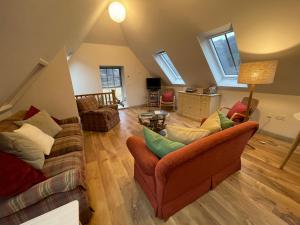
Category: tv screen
[153,83]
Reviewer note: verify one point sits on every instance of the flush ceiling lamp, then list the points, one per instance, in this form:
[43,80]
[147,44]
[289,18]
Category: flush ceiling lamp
[253,73]
[117,12]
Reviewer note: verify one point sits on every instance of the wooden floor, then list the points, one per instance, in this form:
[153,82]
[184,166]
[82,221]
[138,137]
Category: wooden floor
[259,194]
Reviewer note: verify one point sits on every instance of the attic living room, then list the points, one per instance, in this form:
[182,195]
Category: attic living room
[150,112]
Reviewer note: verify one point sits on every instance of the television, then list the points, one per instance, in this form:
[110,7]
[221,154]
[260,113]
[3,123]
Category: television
[153,83]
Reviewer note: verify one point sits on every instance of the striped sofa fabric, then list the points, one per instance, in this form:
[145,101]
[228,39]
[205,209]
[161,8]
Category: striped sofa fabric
[65,170]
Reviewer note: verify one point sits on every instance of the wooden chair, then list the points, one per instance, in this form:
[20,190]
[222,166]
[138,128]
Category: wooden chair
[168,99]
[239,117]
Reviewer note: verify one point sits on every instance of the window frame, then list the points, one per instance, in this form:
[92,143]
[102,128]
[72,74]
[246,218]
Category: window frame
[170,69]
[213,48]
[120,68]
[221,79]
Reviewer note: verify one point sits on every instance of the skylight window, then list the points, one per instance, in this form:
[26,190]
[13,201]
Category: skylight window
[221,52]
[168,68]
[227,52]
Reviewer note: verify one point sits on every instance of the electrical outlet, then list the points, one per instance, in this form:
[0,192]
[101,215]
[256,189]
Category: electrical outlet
[280,117]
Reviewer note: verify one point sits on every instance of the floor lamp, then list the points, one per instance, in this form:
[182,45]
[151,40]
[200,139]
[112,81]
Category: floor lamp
[294,145]
[253,73]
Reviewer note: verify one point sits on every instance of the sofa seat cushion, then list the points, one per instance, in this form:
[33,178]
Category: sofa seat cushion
[63,182]
[56,165]
[107,112]
[66,144]
[69,130]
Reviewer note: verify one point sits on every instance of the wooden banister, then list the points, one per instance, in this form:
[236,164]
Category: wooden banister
[104,98]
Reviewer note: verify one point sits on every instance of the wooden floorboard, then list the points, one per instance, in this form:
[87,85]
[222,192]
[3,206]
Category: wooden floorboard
[258,194]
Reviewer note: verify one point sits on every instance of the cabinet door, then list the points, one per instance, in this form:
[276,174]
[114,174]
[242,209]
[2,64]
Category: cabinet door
[192,107]
[205,102]
[180,103]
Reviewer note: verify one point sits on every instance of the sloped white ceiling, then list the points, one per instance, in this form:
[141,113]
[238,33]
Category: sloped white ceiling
[33,29]
[267,29]
[106,31]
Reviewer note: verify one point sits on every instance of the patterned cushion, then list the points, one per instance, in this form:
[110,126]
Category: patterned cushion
[63,182]
[69,130]
[56,165]
[87,104]
[67,144]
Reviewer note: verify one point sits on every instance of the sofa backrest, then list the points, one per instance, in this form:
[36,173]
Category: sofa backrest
[8,125]
[201,159]
[88,103]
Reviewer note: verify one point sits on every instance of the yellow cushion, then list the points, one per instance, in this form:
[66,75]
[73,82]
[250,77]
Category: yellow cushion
[212,123]
[185,135]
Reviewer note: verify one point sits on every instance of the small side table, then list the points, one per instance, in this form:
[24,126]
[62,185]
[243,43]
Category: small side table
[294,145]
[154,120]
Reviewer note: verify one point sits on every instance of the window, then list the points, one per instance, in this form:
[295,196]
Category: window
[111,78]
[168,68]
[221,52]
[227,52]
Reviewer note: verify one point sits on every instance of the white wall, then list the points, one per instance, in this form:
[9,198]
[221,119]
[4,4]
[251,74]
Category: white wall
[273,105]
[52,90]
[85,63]
[6,114]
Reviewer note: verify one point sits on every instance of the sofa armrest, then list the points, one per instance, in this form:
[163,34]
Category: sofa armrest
[142,155]
[73,119]
[63,182]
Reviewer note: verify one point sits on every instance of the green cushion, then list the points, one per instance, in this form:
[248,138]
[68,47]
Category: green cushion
[160,145]
[225,122]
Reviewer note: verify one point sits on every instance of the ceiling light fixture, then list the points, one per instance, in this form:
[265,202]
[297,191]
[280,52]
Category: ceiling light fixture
[117,12]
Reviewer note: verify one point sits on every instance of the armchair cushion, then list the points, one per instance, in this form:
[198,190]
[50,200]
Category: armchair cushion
[238,107]
[168,96]
[160,145]
[87,104]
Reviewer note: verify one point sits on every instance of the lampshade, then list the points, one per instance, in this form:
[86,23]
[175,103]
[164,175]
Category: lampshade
[262,72]
[117,12]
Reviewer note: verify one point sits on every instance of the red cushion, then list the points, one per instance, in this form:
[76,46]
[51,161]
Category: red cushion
[32,111]
[168,96]
[238,107]
[16,176]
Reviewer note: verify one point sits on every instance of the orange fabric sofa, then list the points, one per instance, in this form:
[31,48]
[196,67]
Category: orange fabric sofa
[182,176]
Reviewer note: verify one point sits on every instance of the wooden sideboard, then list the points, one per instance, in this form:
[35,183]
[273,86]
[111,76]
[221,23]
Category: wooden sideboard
[197,106]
